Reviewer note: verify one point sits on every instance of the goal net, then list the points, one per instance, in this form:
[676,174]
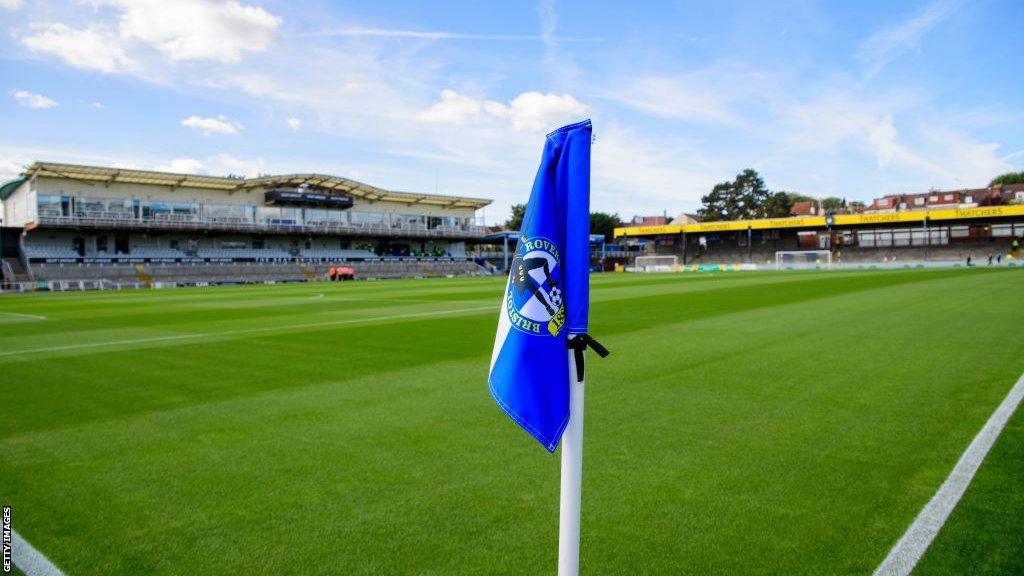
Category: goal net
[803,259]
[656,264]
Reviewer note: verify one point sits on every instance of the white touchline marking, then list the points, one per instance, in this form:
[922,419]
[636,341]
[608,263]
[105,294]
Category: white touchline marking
[32,316]
[242,331]
[915,541]
[30,560]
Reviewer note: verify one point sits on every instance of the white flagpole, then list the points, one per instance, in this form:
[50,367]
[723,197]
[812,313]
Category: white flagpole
[572,479]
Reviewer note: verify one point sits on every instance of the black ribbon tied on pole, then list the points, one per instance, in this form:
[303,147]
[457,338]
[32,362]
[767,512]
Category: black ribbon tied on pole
[578,343]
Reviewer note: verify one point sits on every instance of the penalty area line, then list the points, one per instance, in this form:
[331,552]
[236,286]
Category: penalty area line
[200,335]
[17,315]
[29,560]
[915,541]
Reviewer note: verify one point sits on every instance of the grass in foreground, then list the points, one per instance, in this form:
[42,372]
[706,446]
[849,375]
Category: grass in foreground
[985,533]
[745,424]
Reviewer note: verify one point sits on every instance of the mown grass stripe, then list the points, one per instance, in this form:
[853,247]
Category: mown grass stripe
[178,337]
[915,541]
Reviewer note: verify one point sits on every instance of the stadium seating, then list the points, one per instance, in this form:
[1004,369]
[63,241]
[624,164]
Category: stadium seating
[155,252]
[335,253]
[382,269]
[235,272]
[84,271]
[248,253]
[49,251]
[186,273]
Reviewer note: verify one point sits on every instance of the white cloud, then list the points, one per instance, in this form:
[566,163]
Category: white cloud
[688,98]
[889,150]
[12,166]
[528,111]
[228,164]
[892,42]
[966,162]
[182,166]
[10,4]
[548,25]
[654,173]
[454,108]
[536,111]
[417,34]
[190,30]
[294,123]
[97,105]
[90,48]
[218,125]
[33,100]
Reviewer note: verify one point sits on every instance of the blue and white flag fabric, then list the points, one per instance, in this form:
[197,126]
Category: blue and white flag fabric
[547,297]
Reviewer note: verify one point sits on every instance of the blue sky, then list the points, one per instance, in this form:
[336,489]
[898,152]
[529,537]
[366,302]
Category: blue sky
[854,99]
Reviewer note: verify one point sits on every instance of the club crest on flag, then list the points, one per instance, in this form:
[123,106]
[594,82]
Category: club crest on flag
[546,299]
[533,298]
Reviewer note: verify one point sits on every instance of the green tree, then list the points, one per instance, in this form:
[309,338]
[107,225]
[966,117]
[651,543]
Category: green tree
[1008,178]
[714,208]
[515,222]
[778,205]
[856,207]
[605,224]
[753,194]
[833,205]
[795,197]
[744,197]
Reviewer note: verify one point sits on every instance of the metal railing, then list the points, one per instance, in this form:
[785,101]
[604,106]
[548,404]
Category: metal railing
[187,222]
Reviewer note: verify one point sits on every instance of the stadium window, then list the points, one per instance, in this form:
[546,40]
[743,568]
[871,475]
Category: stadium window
[968,199]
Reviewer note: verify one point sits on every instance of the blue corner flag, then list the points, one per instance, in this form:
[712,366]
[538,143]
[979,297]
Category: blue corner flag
[547,297]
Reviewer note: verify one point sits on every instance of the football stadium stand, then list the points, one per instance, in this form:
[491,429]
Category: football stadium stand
[930,237]
[65,223]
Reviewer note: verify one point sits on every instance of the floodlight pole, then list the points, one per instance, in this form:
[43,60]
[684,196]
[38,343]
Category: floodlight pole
[927,237]
[572,478]
[750,245]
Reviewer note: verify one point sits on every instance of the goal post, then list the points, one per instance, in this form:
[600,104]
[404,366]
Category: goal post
[656,264]
[803,259]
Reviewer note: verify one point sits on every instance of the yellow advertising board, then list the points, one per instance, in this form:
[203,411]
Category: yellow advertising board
[979,212]
[647,230]
[891,217]
[798,222]
[819,221]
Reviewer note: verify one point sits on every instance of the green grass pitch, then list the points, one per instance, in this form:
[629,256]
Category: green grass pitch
[762,423]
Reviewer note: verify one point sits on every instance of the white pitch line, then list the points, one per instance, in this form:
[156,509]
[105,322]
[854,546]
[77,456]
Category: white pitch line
[915,541]
[242,331]
[32,316]
[30,560]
